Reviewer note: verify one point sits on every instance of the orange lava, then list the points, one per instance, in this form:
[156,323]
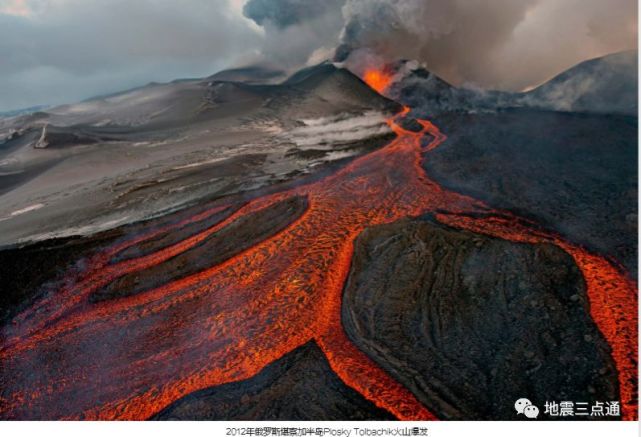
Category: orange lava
[130,357]
[377,79]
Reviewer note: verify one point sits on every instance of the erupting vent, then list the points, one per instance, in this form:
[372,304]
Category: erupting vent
[377,79]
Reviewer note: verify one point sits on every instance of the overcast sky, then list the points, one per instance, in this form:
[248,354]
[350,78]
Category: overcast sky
[57,51]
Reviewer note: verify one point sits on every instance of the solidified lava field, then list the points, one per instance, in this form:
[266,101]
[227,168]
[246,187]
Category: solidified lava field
[368,292]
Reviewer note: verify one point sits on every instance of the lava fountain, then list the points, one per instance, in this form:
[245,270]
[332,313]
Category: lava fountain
[130,357]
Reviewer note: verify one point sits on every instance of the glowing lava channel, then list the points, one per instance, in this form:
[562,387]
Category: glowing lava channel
[130,357]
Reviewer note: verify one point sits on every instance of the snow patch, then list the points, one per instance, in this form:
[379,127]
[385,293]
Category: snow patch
[339,129]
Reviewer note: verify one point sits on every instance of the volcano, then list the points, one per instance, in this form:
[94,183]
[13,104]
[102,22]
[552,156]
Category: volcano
[217,249]
[129,156]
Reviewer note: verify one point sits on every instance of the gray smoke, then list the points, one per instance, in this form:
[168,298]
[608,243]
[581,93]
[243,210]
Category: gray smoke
[297,31]
[55,51]
[285,13]
[495,44]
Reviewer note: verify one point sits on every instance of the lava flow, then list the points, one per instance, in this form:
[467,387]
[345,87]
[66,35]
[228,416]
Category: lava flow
[129,357]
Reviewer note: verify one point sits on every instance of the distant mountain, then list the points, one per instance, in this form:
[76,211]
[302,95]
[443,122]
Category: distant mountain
[250,74]
[602,85]
[126,156]
[320,90]
[23,111]
[605,85]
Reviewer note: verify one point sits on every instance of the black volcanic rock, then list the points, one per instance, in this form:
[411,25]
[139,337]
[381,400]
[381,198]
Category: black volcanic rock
[470,323]
[30,272]
[232,239]
[575,174]
[166,239]
[428,94]
[338,87]
[299,386]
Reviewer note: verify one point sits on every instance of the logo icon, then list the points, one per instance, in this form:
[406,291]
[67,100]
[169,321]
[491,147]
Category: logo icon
[525,407]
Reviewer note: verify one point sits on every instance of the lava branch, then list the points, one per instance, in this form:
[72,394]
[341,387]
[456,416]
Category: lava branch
[129,357]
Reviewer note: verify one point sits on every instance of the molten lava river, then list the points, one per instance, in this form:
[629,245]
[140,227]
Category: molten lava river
[130,357]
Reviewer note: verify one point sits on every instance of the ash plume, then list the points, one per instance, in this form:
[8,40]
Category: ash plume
[297,32]
[58,51]
[285,13]
[496,44]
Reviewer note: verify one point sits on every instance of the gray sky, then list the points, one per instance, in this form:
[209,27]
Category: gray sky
[57,51]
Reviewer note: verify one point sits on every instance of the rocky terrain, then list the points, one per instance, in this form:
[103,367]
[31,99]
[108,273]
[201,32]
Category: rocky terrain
[563,153]
[82,168]
[606,85]
[470,323]
[463,322]
[573,173]
[299,386]
[240,235]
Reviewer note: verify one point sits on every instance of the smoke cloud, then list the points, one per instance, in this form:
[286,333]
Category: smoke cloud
[58,51]
[297,32]
[494,44]
[284,13]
